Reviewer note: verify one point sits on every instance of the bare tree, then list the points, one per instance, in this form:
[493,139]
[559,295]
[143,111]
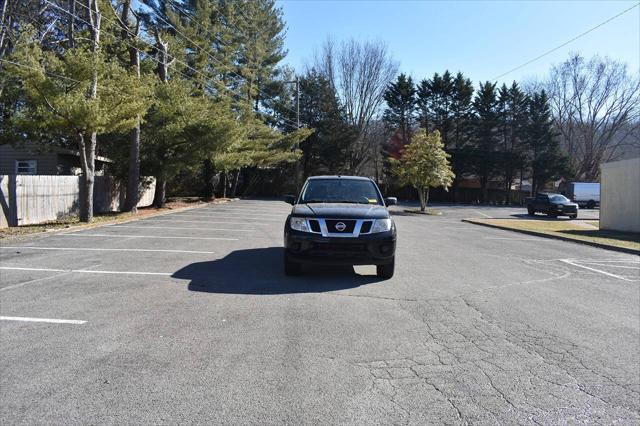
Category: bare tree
[360,72]
[596,106]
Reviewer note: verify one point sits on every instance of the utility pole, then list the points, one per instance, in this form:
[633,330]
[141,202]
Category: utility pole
[298,102]
[297,83]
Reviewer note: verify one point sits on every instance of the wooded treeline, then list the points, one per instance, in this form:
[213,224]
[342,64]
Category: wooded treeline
[194,92]
[586,113]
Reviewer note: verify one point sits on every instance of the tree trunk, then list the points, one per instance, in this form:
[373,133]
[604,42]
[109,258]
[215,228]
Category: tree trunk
[88,149]
[133,179]
[483,190]
[224,187]
[87,179]
[71,25]
[160,194]
[423,194]
[234,185]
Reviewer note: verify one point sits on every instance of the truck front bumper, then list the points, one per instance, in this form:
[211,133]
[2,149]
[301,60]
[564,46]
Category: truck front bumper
[370,249]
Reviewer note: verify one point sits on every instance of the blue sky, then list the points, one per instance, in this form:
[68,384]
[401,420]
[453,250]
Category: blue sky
[483,39]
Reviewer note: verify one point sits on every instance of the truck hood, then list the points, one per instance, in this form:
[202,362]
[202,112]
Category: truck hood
[340,211]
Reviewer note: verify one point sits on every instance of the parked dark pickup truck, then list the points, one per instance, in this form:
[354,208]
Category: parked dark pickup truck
[553,205]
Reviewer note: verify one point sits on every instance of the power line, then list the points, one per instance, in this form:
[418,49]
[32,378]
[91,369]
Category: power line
[52,74]
[566,43]
[217,60]
[282,119]
[207,86]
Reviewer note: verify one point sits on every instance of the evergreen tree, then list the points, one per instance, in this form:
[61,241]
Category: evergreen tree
[79,95]
[434,100]
[260,31]
[461,128]
[512,123]
[485,153]
[545,157]
[400,99]
[325,151]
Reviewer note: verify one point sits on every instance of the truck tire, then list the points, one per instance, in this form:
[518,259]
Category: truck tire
[573,216]
[386,271]
[531,211]
[291,268]
[591,204]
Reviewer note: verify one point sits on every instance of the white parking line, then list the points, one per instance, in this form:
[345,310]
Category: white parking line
[511,238]
[483,214]
[83,271]
[104,249]
[22,284]
[47,320]
[181,228]
[194,221]
[240,216]
[147,236]
[248,214]
[637,268]
[571,262]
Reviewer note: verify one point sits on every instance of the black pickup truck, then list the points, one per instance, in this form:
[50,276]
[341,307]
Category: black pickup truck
[553,205]
[340,220]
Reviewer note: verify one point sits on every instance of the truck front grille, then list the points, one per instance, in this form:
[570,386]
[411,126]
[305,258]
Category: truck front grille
[333,225]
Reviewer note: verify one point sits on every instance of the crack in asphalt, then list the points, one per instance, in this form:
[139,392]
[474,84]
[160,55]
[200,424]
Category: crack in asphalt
[483,371]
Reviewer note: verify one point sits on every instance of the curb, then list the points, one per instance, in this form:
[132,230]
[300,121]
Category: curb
[77,228]
[556,237]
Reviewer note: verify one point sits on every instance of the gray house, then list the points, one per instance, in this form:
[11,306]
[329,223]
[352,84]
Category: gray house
[33,159]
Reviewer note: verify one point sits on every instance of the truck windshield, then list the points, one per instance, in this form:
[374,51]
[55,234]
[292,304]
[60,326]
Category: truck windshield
[558,199]
[340,191]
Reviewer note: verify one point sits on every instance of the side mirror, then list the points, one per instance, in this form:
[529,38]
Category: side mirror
[291,199]
[391,201]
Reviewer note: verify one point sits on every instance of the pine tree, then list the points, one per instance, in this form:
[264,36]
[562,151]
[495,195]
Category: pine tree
[461,127]
[434,100]
[512,123]
[80,95]
[325,151]
[485,150]
[400,99]
[545,157]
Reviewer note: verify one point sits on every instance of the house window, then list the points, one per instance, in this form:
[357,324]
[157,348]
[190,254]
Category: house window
[26,167]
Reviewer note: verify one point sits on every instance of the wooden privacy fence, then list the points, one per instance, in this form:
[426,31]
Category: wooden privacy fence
[28,200]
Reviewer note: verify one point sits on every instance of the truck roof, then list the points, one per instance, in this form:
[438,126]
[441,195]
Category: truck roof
[338,177]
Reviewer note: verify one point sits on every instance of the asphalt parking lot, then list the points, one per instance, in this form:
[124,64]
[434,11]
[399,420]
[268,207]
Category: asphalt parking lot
[188,318]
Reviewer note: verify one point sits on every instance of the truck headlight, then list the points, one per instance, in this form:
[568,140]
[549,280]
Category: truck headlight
[299,224]
[381,225]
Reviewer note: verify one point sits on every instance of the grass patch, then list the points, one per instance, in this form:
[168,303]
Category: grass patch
[581,230]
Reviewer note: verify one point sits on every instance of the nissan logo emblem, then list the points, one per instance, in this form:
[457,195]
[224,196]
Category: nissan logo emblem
[340,226]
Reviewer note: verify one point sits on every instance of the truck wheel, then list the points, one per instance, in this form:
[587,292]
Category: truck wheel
[530,211]
[573,216]
[386,271]
[591,204]
[290,267]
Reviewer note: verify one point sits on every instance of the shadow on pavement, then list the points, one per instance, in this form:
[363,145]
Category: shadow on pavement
[260,271]
[632,237]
